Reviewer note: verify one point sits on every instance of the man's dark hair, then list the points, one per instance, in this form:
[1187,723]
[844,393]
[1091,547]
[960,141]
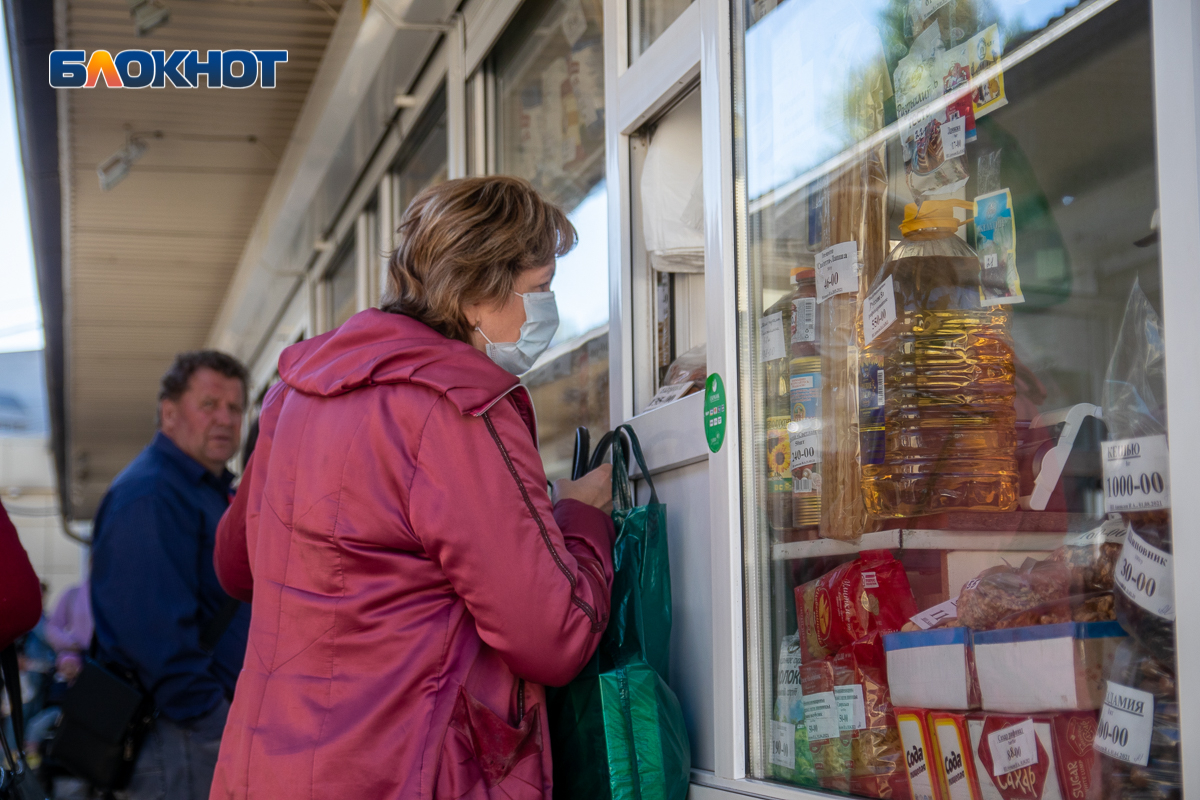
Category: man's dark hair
[175,380]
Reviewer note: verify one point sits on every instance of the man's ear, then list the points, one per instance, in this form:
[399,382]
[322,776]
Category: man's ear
[168,411]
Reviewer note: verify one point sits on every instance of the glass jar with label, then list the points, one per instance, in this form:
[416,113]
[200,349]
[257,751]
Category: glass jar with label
[936,378]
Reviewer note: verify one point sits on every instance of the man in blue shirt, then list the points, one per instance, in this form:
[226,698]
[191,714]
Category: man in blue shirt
[155,593]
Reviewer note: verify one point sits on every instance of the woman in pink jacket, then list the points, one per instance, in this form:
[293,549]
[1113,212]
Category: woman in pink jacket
[414,585]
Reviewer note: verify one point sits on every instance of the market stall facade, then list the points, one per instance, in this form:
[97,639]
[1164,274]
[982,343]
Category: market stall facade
[890,292]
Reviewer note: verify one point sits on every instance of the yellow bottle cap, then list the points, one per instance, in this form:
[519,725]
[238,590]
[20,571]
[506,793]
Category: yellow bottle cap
[934,216]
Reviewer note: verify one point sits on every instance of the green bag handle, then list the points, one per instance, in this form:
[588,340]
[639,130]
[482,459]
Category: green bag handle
[622,491]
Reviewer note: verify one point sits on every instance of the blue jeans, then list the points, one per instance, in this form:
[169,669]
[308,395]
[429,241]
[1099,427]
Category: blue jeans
[178,759]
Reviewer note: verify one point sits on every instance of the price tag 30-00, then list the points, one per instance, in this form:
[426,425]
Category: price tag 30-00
[1147,576]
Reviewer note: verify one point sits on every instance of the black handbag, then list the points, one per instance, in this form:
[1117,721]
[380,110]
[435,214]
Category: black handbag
[17,781]
[107,713]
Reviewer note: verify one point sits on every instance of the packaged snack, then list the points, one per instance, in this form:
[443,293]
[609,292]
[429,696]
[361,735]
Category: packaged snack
[1038,757]
[870,593]
[1045,667]
[953,764]
[829,747]
[1137,480]
[932,669]
[918,753]
[1003,592]
[791,759]
[1138,737]
[865,712]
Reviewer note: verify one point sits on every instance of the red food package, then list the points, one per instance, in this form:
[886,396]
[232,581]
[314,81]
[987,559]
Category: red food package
[870,593]
[827,743]
[1065,767]
[865,711]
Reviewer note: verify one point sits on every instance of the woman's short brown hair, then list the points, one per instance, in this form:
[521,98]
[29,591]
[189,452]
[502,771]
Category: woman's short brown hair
[465,241]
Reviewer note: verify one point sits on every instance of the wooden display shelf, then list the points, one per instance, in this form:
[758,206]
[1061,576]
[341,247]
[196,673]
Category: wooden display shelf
[922,539]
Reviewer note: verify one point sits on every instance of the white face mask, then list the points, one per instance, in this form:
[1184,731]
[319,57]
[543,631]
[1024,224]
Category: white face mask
[541,322]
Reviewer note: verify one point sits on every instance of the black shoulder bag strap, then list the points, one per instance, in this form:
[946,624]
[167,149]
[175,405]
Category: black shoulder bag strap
[12,683]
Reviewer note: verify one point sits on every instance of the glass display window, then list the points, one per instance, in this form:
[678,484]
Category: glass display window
[959,548]
[648,19]
[423,161]
[342,285]
[548,72]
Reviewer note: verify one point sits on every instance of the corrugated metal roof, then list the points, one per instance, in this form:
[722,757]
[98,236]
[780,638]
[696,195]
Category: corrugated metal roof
[148,263]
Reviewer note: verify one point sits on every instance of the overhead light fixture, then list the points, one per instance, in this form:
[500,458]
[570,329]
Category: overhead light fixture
[148,15]
[113,169]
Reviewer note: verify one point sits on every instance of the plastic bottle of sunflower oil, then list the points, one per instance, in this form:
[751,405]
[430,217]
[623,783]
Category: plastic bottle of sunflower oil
[936,378]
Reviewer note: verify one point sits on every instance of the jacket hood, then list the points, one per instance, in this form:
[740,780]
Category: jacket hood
[375,347]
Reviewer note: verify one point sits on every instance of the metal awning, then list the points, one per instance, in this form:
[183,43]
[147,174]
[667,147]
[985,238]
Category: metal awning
[138,273]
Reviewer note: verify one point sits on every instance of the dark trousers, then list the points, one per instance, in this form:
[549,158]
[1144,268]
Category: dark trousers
[178,759]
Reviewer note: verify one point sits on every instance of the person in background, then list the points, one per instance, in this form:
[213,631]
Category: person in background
[20,594]
[158,607]
[69,631]
[414,584]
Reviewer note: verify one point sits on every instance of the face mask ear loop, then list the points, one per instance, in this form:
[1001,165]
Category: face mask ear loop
[484,335]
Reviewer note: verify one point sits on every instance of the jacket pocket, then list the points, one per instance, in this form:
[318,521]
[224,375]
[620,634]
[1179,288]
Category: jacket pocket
[483,752]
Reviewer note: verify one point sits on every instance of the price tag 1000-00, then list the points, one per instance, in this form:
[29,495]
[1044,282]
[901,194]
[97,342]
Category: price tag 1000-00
[1137,476]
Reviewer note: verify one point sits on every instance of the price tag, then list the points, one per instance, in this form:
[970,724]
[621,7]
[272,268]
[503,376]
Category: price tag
[804,319]
[1137,476]
[852,711]
[837,270]
[1013,748]
[806,447]
[1126,723]
[954,137]
[1110,531]
[666,394]
[783,744]
[821,717]
[1146,576]
[991,261]
[932,617]
[880,310]
[770,328]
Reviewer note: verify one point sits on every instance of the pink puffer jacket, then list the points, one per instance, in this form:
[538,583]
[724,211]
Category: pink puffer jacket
[412,588]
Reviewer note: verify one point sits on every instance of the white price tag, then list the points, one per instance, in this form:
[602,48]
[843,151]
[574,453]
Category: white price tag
[931,617]
[1137,476]
[770,329]
[806,447]
[1146,576]
[880,310]
[991,261]
[783,744]
[574,24]
[666,394]
[1013,748]
[1126,723]
[821,717]
[954,137]
[837,270]
[852,711]
[804,319]
[1111,531]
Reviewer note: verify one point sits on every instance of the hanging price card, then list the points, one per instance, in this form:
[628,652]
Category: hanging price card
[852,711]
[783,744]
[837,270]
[880,310]
[931,617]
[1126,722]
[1136,474]
[821,717]
[1146,576]
[1013,748]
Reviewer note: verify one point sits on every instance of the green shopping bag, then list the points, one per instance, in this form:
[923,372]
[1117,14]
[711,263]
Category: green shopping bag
[616,731]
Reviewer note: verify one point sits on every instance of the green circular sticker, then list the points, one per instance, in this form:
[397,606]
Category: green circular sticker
[714,412]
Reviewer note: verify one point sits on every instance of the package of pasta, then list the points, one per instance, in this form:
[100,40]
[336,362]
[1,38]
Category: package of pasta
[830,748]
[865,713]
[869,594]
[791,760]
